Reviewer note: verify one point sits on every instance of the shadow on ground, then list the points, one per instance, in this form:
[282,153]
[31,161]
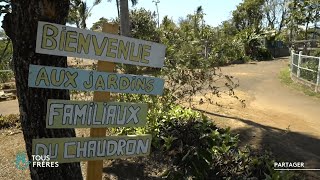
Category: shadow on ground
[121,169]
[148,168]
[285,145]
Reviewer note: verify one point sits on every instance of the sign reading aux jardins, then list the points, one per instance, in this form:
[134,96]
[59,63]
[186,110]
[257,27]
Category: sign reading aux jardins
[76,79]
[60,40]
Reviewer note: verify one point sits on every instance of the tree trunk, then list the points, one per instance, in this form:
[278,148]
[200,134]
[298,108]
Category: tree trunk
[305,48]
[118,10]
[21,26]
[124,18]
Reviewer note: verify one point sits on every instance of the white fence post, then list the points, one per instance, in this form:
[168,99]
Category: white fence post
[291,65]
[318,76]
[299,62]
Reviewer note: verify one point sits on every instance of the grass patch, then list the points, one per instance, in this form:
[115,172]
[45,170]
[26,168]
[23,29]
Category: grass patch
[11,120]
[285,78]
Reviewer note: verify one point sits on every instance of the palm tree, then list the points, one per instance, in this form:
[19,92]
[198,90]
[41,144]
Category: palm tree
[123,14]
[79,12]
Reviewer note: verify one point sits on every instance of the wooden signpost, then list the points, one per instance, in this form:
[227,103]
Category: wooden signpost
[108,48]
[94,168]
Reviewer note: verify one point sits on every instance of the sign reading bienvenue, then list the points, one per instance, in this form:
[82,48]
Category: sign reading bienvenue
[76,79]
[85,114]
[60,40]
[70,149]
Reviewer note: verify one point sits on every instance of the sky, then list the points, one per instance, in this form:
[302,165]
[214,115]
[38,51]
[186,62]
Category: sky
[216,10]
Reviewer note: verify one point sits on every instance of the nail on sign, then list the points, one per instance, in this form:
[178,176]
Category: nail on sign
[66,150]
[60,40]
[85,114]
[76,79]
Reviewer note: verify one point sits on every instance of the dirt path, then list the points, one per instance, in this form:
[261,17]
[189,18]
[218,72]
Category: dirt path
[9,107]
[260,81]
[277,118]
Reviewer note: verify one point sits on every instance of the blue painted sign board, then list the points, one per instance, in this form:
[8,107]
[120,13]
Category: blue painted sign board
[85,80]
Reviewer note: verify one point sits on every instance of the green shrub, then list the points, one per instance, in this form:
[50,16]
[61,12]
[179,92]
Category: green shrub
[312,64]
[11,120]
[315,53]
[197,148]
[200,150]
[5,76]
[5,58]
[262,54]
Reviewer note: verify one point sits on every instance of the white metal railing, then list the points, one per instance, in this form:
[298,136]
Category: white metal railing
[301,67]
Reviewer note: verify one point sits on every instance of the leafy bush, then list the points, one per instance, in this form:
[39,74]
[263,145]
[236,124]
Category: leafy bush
[197,148]
[200,150]
[262,54]
[5,76]
[312,64]
[5,58]
[11,120]
[315,53]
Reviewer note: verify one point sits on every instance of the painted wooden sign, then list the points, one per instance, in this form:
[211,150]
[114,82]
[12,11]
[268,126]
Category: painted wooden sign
[60,40]
[79,149]
[85,114]
[76,79]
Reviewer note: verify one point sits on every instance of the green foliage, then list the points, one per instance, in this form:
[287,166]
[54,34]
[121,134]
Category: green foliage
[5,59]
[143,26]
[284,76]
[315,53]
[79,12]
[303,13]
[200,150]
[97,26]
[196,147]
[248,15]
[11,120]
[5,76]
[312,64]
[286,79]
[275,14]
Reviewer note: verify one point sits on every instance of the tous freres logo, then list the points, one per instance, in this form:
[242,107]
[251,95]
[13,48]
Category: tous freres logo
[22,162]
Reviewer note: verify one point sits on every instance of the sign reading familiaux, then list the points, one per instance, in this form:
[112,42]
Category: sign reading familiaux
[60,40]
[89,114]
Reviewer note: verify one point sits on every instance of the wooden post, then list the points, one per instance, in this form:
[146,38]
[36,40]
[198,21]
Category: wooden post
[94,168]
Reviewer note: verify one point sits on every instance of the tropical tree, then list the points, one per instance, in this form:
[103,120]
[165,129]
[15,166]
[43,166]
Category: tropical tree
[304,13]
[248,15]
[123,13]
[275,14]
[99,24]
[20,25]
[79,12]
[143,25]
